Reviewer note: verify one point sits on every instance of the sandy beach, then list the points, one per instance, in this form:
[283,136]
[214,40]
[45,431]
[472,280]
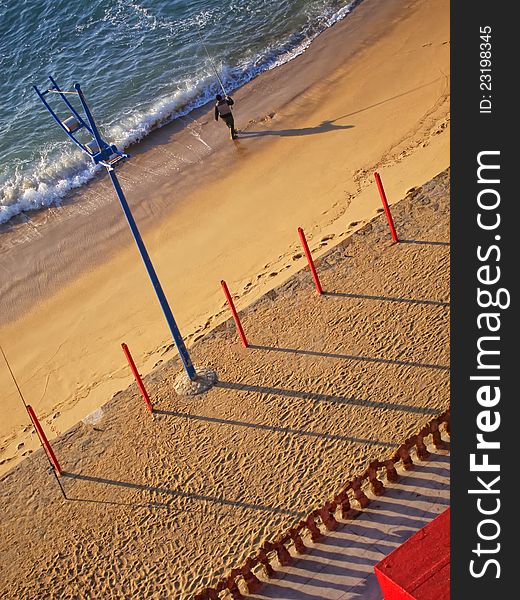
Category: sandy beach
[372,93]
[160,508]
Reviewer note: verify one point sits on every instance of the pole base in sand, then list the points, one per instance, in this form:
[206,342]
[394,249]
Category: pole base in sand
[203,381]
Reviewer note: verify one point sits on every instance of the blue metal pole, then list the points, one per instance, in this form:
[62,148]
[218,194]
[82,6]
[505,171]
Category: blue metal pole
[89,116]
[177,338]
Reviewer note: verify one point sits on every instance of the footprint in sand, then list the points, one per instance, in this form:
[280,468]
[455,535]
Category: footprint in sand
[297,256]
[325,240]
[167,348]
[353,224]
[268,117]
[441,128]
[273,274]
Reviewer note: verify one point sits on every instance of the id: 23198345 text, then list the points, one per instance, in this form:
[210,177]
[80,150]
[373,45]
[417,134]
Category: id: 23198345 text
[485,105]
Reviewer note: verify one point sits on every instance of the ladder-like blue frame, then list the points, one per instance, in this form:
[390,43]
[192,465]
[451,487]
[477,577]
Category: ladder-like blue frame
[108,155]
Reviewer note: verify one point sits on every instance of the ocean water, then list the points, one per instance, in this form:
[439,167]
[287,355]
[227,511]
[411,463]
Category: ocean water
[140,63]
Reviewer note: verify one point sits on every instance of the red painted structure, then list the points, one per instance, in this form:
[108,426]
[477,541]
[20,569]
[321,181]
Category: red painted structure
[137,377]
[386,207]
[419,569]
[234,313]
[43,439]
[309,260]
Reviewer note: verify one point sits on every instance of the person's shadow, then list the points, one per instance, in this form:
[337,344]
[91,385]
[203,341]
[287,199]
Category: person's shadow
[323,127]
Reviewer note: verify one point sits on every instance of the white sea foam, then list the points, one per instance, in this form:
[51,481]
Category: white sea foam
[61,168]
[46,186]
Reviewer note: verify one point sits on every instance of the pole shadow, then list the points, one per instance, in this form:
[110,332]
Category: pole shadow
[114,503]
[413,513]
[418,482]
[428,498]
[184,495]
[328,551]
[424,242]
[274,428]
[299,573]
[373,533]
[279,592]
[391,98]
[440,470]
[314,397]
[388,299]
[323,127]
[387,361]
[341,565]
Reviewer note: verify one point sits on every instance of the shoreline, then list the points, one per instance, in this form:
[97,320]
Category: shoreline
[177,104]
[234,225]
[186,158]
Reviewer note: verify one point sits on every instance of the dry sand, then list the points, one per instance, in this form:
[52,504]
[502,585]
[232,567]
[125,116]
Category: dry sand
[371,93]
[160,508]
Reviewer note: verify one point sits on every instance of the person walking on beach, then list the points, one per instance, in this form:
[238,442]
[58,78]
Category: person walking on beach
[223,110]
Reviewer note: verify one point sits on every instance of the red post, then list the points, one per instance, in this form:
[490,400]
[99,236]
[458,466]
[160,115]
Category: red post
[234,313]
[385,206]
[44,440]
[310,261]
[138,379]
